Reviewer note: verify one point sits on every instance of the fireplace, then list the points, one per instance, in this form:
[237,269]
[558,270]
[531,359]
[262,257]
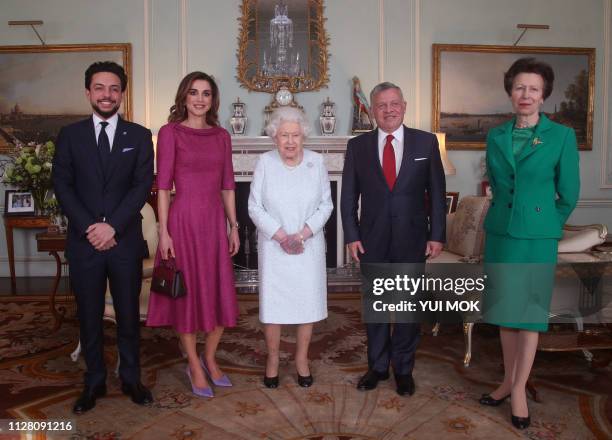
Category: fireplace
[247,256]
[341,277]
[246,152]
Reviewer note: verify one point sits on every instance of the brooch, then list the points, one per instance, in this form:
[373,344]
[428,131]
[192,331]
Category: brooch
[536,141]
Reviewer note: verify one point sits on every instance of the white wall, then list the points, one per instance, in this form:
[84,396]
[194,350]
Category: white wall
[172,37]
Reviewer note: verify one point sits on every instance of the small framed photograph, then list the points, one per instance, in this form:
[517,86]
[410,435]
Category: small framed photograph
[452,199]
[18,202]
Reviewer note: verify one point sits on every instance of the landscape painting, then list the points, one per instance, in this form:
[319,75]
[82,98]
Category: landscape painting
[469,96]
[42,88]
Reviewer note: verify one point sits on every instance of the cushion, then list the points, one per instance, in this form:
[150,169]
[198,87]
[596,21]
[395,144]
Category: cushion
[466,236]
[582,240]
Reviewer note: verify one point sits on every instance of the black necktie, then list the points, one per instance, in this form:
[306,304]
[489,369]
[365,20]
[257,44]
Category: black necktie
[103,145]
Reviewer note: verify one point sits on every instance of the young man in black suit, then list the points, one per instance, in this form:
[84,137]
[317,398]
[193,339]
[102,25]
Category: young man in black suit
[393,169]
[102,176]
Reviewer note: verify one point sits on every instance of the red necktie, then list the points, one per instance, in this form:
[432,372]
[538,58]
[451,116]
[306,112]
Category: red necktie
[389,162]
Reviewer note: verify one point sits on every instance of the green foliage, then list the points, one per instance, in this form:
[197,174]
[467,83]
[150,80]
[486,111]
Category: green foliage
[29,169]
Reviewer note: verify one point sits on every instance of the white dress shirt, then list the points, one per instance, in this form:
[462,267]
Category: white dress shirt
[398,146]
[110,128]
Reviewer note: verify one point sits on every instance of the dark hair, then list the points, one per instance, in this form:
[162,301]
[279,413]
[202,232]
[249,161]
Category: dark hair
[178,112]
[530,65]
[106,66]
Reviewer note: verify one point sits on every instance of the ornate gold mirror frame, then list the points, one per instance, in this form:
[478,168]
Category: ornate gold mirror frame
[282,43]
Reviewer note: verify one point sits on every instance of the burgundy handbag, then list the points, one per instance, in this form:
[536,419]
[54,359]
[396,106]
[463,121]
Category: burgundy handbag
[168,280]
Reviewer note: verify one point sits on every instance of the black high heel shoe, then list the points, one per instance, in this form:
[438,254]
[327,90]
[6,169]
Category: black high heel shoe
[271,382]
[486,399]
[520,422]
[305,381]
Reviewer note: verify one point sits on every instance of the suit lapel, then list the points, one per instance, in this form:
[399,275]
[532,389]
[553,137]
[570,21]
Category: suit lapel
[504,142]
[118,144]
[537,142]
[409,139]
[92,145]
[374,158]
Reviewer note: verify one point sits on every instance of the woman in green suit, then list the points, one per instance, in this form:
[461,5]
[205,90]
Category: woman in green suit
[533,171]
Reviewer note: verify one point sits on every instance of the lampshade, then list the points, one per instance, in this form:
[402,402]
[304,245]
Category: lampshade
[449,169]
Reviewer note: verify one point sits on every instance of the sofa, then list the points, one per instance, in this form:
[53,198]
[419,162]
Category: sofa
[465,238]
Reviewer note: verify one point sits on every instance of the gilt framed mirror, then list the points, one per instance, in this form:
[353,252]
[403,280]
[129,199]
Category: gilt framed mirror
[282,43]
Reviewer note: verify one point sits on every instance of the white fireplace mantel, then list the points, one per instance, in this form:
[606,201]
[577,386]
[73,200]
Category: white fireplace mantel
[246,150]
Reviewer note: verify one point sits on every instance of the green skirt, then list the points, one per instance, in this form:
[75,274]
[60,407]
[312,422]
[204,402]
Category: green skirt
[520,280]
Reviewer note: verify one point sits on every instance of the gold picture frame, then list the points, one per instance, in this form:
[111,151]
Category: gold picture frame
[42,88]
[264,67]
[468,95]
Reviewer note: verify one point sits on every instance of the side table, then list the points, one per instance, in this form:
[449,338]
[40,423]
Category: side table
[20,222]
[53,243]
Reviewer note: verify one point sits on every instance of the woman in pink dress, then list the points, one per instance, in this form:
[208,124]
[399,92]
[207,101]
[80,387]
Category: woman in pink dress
[195,155]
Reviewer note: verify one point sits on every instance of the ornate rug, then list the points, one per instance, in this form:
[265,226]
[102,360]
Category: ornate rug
[38,380]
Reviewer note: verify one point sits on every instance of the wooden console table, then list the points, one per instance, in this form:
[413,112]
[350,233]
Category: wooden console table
[53,243]
[20,222]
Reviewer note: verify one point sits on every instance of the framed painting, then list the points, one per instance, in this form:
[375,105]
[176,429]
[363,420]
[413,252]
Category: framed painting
[42,88]
[469,97]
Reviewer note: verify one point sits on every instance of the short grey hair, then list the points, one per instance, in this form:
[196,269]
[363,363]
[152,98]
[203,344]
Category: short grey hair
[287,114]
[381,88]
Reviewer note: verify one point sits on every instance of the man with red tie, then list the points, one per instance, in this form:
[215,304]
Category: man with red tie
[392,170]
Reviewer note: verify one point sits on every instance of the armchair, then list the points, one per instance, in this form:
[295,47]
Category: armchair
[465,244]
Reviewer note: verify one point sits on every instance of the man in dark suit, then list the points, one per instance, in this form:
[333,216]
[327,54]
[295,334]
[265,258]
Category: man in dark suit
[394,169]
[102,175]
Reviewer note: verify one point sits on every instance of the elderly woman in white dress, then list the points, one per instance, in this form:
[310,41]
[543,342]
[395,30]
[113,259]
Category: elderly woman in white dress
[289,203]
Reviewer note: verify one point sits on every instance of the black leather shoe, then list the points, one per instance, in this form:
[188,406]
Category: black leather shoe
[305,381]
[87,399]
[486,399]
[138,392]
[520,422]
[369,381]
[271,382]
[405,384]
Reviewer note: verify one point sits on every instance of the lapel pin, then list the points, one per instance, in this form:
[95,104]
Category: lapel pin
[536,141]
[124,133]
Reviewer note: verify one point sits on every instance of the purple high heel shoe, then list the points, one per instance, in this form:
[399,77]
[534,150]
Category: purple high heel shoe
[202,392]
[221,382]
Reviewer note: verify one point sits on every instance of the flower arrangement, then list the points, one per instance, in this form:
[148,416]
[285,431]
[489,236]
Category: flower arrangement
[29,169]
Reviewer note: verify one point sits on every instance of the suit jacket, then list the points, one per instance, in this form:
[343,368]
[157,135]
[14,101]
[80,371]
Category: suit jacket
[393,225]
[88,195]
[525,188]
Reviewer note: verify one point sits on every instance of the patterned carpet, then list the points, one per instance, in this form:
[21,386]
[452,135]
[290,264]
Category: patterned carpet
[39,381]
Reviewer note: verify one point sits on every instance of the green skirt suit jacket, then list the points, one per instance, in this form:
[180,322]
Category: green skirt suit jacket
[535,181]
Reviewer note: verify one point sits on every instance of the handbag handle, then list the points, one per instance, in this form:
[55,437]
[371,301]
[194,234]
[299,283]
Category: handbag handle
[170,263]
